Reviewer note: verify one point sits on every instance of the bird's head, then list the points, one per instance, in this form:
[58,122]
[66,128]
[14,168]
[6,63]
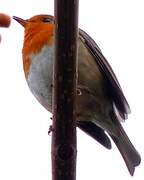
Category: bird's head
[38,25]
[40,20]
[39,31]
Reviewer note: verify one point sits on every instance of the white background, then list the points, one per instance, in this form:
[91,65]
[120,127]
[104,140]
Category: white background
[118,28]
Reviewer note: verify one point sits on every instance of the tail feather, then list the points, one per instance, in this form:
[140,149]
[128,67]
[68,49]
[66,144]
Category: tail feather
[126,148]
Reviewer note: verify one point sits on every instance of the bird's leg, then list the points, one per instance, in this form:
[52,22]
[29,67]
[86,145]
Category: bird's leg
[78,92]
[81,89]
[51,129]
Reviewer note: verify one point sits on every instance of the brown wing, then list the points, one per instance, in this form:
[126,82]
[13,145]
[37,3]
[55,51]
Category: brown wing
[113,87]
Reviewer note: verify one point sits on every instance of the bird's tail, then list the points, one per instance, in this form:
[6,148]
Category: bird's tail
[126,148]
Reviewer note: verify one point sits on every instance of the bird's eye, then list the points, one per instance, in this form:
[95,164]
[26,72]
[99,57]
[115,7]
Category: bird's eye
[46,20]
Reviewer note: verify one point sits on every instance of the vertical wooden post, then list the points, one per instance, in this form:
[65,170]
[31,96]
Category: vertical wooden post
[64,93]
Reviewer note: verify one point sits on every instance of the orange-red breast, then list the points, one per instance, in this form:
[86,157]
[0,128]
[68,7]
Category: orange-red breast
[101,103]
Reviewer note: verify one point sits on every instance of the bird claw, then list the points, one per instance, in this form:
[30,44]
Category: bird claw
[51,129]
[79,93]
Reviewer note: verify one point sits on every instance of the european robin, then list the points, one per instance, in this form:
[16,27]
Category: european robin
[100,105]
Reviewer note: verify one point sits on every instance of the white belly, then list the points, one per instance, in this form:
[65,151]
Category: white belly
[40,76]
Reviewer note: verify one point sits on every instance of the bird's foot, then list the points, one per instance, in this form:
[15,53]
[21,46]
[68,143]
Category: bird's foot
[50,129]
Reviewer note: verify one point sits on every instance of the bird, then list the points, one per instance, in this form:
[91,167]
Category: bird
[100,101]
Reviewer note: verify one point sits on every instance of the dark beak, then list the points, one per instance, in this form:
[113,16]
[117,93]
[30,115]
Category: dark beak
[21,21]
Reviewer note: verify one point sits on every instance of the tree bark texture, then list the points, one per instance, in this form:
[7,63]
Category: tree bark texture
[64,91]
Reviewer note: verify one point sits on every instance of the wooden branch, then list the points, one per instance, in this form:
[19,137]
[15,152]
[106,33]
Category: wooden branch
[64,94]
